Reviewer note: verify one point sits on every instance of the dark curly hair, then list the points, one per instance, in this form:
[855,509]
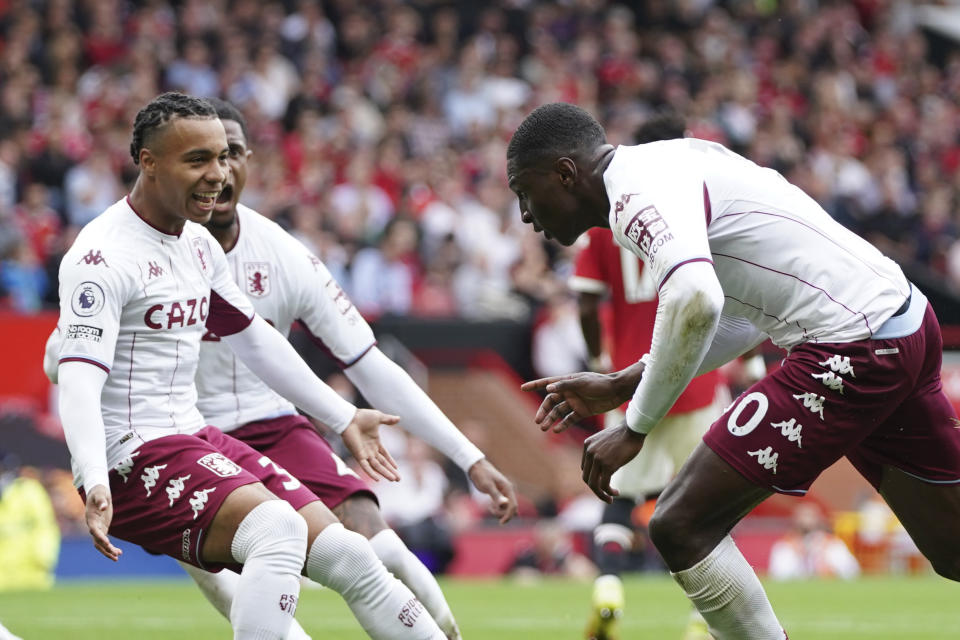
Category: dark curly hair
[160,112]
[226,111]
[553,130]
[666,125]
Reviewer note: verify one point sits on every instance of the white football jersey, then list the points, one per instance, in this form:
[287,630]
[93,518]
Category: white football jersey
[782,261]
[285,283]
[135,301]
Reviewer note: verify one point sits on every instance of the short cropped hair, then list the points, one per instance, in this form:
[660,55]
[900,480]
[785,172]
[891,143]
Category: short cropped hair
[666,125]
[160,112]
[553,130]
[227,111]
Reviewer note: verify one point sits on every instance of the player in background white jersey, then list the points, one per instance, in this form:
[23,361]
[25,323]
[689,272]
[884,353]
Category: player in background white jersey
[739,254]
[286,283]
[137,289]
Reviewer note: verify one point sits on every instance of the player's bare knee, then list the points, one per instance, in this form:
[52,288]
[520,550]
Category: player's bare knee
[361,513]
[272,532]
[674,532]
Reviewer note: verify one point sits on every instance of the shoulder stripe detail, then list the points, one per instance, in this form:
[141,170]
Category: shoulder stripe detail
[225,319]
[707,207]
[677,266]
[95,363]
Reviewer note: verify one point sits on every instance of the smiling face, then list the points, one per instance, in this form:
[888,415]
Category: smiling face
[186,167]
[548,199]
[226,209]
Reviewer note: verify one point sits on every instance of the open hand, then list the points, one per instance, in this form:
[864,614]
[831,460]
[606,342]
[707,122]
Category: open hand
[362,438]
[99,514]
[486,478]
[604,453]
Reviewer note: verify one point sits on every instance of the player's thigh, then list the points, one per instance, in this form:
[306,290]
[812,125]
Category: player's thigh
[931,515]
[294,445]
[361,513]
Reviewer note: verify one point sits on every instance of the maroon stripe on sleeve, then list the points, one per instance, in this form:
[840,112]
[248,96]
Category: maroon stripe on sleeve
[323,347]
[707,207]
[225,319]
[677,266]
[87,360]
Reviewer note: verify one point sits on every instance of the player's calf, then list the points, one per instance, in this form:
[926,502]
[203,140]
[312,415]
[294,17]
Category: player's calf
[384,606]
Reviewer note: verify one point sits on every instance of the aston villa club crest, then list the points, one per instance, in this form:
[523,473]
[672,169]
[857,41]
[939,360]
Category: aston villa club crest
[201,251]
[258,279]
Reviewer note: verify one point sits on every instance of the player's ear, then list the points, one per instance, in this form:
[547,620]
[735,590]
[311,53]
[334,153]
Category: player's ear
[148,162]
[567,169]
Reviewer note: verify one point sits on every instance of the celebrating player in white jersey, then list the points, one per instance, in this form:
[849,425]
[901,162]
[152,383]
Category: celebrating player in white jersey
[138,289]
[739,254]
[286,283]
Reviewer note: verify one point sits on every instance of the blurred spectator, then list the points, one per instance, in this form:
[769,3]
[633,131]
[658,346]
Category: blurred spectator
[192,72]
[811,550]
[414,506]
[383,277]
[90,187]
[29,536]
[551,553]
[37,222]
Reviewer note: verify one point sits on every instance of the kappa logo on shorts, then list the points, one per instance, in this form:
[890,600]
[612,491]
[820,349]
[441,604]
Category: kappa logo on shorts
[176,488]
[830,380]
[219,464]
[199,500]
[151,475]
[839,364]
[766,457]
[790,430]
[125,466]
[812,401]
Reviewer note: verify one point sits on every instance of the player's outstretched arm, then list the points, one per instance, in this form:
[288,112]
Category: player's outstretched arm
[80,387]
[388,387]
[576,396]
[271,358]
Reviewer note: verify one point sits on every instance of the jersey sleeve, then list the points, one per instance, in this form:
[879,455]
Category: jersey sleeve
[230,310]
[588,273]
[666,223]
[92,295]
[328,315]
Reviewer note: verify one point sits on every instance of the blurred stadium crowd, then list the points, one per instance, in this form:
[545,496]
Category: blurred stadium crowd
[379,128]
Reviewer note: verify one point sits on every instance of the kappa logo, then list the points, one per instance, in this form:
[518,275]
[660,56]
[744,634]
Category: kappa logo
[766,457]
[199,500]
[219,464]
[88,299]
[813,402]
[839,364]
[315,261]
[621,203]
[154,271]
[150,476]
[790,430]
[258,279]
[176,488]
[648,230]
[94,258]
[830,380]
[125,466]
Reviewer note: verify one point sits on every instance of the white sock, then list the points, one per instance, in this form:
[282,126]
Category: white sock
[219,589]
[724,588]
[6,634]
[384,606]
[400,561]
[271,543]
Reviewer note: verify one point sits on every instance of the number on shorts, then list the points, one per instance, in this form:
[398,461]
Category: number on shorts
[342,468]
[743,429]
[290,483]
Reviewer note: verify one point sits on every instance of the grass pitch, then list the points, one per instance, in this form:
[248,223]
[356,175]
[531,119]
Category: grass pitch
[922,608]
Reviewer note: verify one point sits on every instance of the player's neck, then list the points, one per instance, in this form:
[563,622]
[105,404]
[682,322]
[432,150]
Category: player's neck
[225,234]
[148,209]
